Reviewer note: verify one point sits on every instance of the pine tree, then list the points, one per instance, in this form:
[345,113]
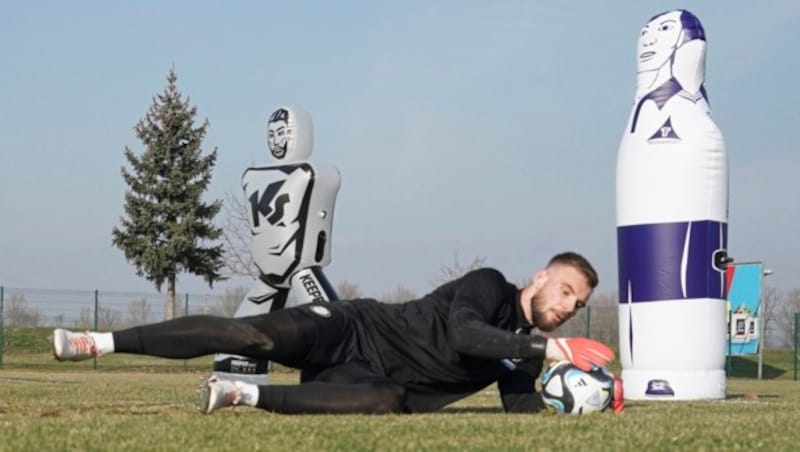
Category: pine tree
[168,228]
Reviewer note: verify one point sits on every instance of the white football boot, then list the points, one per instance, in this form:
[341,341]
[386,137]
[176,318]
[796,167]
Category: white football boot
[68,345]
[215,393]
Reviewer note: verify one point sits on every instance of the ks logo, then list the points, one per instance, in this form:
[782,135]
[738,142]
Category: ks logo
[261,206]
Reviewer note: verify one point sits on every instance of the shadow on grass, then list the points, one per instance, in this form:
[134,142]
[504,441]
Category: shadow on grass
[741,367]
[751,396]
[468,409]
[35,380]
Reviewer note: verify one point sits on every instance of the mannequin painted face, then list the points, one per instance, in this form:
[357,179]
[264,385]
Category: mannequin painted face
[290,134]
[663,35]
[278,133]
[658,41]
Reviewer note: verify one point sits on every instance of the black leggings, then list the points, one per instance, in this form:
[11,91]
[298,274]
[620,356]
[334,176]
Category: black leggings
[349,388]
[294,337]
[277,336]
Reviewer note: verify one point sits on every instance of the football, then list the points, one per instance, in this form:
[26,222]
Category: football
[569,390]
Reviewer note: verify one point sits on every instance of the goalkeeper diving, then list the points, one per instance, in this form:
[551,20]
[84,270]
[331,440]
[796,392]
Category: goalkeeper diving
[371,357]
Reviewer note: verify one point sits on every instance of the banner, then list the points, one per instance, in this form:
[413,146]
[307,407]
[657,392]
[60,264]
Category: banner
[743,283]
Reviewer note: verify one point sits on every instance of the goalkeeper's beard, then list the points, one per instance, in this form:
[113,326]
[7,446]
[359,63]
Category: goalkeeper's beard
[541,320]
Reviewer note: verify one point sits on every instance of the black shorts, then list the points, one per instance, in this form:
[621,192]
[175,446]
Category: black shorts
[314,336]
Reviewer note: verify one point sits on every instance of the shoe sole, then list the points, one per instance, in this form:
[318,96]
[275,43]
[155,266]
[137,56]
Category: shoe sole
[204,396]
[58,345]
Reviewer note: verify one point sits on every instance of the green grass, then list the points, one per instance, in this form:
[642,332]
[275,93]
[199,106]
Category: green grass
[139,403]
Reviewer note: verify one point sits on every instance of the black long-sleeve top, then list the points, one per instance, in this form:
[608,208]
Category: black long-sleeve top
[455,341]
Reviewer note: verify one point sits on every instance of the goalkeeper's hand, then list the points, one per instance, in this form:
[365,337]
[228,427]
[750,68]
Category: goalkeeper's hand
[584,353]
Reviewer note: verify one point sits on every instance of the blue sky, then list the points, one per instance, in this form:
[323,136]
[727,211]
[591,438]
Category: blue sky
[480,128]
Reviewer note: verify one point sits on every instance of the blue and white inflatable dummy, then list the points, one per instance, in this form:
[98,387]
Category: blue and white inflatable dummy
[291,206]
[672,213]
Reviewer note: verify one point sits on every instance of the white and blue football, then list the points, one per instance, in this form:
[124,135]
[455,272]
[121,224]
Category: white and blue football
[569,390]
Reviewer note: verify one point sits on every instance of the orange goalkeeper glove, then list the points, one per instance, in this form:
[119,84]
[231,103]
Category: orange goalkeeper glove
[582,352]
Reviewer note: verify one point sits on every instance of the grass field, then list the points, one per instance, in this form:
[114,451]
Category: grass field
[137,403]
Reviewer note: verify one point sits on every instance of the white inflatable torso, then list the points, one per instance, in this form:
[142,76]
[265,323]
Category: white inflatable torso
[291,217]
[672,210]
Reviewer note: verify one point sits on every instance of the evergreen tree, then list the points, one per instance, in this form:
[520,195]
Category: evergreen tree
[168,229]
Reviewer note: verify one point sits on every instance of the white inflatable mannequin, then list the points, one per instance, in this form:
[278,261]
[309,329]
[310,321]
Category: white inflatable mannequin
[291,205]
[672,213]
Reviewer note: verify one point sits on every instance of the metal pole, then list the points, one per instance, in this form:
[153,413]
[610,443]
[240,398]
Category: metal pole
[588,320]
[186,313]
[96,310]
[2,338]
[762,327]
[762,315]
[796,333]
[730,343]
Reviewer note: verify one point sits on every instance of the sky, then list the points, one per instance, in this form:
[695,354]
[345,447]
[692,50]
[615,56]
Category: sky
[469,128]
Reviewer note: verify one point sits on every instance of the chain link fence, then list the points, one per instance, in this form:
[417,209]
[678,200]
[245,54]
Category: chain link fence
[97,310]
[796,355]
[27,317]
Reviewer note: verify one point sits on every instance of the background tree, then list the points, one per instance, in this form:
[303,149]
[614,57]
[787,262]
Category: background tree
[348,290]
[168,229]
[139,312]
[236,236]
[786,306]
[399,294]
[17,312]
[229,303]
[107,318]
[456,269]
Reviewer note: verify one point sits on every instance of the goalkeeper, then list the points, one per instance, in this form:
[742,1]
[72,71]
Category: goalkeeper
[371,357]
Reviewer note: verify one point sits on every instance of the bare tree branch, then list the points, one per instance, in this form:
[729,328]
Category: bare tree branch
[348,290]
[782,313]
[229,303]
[139,312]
[18,313]
[399,294]
[236,237]
[456,269]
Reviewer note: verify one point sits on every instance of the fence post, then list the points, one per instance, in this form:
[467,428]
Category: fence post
[186,313]
[588,320]
[2,337]
[796,333]
[96,310]
[729,358]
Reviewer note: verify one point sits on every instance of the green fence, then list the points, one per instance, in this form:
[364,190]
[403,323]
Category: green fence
[2,337]
[796,342]
[27,316]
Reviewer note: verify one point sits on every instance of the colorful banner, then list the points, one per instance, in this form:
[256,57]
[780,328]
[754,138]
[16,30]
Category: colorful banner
[743,283]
